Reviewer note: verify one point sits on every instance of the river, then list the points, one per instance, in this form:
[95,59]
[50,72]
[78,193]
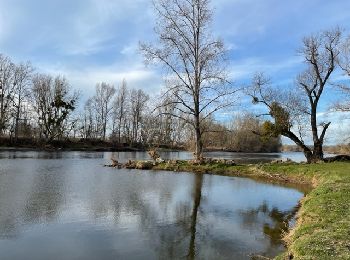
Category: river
[66,205]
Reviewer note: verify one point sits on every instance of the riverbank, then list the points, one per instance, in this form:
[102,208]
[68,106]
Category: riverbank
[322,230]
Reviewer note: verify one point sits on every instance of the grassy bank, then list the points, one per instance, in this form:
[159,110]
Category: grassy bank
[323,227]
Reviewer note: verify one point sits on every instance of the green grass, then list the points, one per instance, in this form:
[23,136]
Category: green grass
[323,227]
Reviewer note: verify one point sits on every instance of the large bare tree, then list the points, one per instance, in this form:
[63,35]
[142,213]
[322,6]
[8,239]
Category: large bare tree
[194,59]
[320,53]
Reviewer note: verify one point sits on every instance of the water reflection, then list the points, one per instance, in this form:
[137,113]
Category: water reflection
[178,239]
[45,197]
[197,194]
[124,156]
[84,211]
[276,222]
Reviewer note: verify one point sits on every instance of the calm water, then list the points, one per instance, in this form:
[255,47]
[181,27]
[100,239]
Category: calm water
[67,206]
[124,156]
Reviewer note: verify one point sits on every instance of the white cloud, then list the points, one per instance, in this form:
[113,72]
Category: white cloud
[85,79]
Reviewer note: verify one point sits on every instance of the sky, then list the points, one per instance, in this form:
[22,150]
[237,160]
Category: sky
[90,41]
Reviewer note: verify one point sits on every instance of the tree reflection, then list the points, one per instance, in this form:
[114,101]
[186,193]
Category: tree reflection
[28,199]
[166,216]
[45,198]
[274,229]
[196,195]
[178,239]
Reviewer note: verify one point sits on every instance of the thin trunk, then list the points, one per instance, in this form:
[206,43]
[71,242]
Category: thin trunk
[16,124]
[197,195]
[119,130]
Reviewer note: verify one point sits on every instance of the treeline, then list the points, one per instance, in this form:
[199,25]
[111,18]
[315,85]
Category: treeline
[244,133]
[126,115]
[32,104]
[41,108]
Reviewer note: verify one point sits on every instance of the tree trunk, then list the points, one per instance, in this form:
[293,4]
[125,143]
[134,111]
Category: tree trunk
[198,139]
[17,120]
[314,156]
[317,152]
[119,129]
[197,195]
[308,155]
[16,127]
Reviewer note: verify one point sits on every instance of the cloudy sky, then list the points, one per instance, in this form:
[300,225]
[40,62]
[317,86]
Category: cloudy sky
[90,41]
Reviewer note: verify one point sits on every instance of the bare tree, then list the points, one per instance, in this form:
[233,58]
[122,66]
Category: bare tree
[194,60]
[120,108]
[103,105]
[53,101]
[138,105]
[320,54]
[7,88]
[245,134]
[88,124]
[22,77]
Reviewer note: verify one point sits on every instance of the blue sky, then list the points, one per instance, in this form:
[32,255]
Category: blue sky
[90,41]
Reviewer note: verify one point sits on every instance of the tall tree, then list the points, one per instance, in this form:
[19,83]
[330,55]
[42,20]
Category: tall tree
[138,105]
[22,77]
[103,105]
[54,101]
[120,108]
[320,53]
[7,89]
[194,60]
[87,120]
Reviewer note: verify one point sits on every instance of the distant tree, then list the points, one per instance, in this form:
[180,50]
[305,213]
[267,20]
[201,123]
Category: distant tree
[53,101]
[194,59]
[102,102]
[7,89]
[165,111]
[244,133]
[87,120]
[216,135]
[22,78]
[248,135]
[120,109]
[320,53]
[138,106]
